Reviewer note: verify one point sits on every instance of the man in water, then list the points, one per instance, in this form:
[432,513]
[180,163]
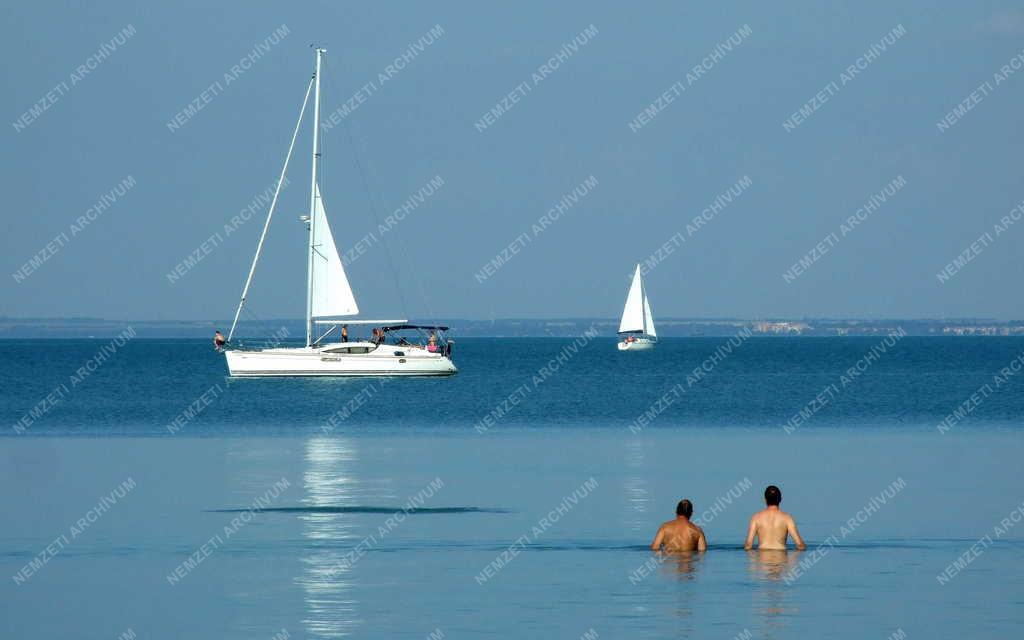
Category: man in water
[771,525]
[680,534]
[218,340]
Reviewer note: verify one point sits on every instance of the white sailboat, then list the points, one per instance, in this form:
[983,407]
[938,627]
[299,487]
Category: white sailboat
[329,299]
[637,325]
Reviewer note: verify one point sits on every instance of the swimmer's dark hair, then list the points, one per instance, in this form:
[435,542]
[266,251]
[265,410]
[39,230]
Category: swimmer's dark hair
[772,496]
[684,508]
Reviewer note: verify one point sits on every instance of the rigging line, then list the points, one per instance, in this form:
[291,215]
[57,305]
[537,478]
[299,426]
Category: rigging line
[264,325]
[411,270]
[254,317]
[416,278]
[414,274]
[249,315]
[373,211]
[270,213]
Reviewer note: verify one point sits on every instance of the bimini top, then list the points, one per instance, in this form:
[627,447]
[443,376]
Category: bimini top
[400,327]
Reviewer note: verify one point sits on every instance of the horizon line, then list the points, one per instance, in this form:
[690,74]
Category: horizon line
[535,319]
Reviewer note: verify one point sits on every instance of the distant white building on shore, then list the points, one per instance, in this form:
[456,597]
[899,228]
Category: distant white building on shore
[795,328]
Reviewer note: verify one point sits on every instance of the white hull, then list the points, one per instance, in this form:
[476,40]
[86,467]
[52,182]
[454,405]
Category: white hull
[333,360]
[640,344]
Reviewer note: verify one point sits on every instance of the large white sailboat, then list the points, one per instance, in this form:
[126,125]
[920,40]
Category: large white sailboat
[329,300]
[637,325]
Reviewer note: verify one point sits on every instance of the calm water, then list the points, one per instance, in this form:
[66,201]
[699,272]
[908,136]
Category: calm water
[536,527]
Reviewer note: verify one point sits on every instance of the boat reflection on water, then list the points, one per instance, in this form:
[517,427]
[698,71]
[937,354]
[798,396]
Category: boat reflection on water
[768,568]
[637,493]
[328,577]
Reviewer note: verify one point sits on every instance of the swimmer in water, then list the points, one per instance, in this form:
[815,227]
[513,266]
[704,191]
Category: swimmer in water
[680,534]
[772,525]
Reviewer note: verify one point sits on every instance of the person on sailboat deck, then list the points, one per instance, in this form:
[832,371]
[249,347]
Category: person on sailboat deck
[344,333]
[218,340]
[378,336]
[432,342]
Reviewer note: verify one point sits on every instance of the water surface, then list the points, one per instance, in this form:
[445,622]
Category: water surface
[386,524]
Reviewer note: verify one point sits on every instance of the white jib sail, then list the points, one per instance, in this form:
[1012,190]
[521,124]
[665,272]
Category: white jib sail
[648,318]
[633,313]
[331,294]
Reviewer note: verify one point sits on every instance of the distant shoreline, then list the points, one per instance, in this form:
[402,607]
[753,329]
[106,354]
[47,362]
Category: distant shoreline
[22,328]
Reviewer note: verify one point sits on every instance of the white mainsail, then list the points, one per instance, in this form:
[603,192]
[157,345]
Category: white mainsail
[648,318]
[330,293]
[633,313]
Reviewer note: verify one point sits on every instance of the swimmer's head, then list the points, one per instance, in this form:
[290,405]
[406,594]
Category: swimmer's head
[772,496]
[684,508]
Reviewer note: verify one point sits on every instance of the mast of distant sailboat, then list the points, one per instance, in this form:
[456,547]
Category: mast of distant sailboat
[643,298]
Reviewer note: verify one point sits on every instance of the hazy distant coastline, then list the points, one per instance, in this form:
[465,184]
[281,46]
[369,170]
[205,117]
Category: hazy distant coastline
[14,328]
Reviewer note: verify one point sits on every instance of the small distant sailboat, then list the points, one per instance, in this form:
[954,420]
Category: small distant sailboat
[637,325]
[329,298]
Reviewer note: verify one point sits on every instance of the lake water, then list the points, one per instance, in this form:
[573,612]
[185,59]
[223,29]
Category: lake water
[153,496]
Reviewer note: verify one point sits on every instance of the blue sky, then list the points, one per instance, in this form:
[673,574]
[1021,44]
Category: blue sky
[499,181]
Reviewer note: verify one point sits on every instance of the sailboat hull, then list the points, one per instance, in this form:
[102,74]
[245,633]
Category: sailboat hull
[640,344]
[335,361]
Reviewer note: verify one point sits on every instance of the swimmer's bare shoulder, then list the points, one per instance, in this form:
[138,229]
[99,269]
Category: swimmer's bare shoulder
[793,532]
[752,530]
[702,542]
[659,538]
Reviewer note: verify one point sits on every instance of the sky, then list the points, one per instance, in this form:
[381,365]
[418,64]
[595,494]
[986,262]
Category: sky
[649,114]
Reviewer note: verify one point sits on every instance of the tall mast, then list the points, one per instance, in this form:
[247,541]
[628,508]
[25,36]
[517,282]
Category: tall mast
[312,200]
[643,300]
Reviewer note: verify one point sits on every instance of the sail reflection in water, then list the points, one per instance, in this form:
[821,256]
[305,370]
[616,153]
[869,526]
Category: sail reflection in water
[637,493]
[328,576]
